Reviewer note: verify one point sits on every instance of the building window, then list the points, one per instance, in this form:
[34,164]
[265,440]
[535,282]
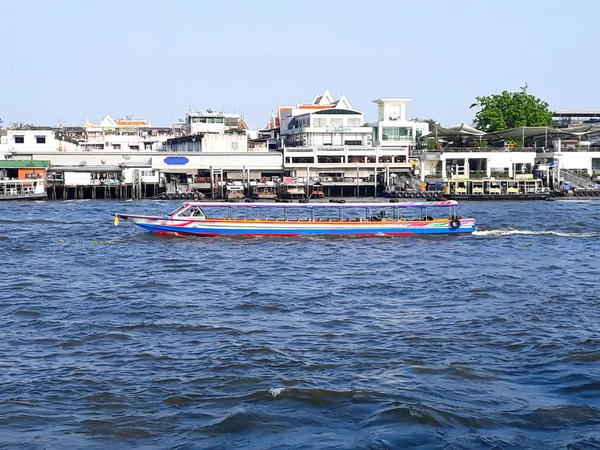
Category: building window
[134,147]
[354,122]
[234,146]
[320,122]
[40,139]
[218,120]
[352,142]
[117,146]
[337,122]
[19,139]
[396,134]
[330,159]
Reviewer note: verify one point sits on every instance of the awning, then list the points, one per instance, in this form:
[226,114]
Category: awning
[524,132]
[458,131]
[189,170]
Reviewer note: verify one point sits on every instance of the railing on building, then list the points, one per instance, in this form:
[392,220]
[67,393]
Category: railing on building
[570,148]
[480,150]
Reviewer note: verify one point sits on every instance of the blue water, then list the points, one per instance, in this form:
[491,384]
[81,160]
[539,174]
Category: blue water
[112,337]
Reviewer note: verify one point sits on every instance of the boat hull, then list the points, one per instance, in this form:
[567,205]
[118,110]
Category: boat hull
[216,227]
[23,197]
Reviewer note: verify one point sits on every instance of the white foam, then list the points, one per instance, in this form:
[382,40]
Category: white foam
[513,232]
[276,391]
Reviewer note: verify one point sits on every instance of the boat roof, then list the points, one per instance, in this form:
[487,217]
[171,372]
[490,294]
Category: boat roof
[444,203]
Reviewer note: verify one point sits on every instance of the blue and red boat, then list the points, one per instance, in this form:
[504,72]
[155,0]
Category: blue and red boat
[296,219]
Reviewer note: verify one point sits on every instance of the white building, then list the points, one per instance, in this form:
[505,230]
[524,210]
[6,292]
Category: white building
[393,129]
[210,131]
[35,139]
[213,122]
[123,135]
[236,142]
[329,140]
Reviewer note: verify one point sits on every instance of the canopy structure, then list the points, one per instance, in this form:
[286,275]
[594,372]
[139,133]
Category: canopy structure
[465,132]
[582,130]
[431,204]
[524,132]
[458,131]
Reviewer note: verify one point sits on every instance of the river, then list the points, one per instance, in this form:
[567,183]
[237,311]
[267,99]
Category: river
[113,337]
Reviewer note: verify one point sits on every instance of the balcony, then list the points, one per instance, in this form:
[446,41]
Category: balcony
[387,138]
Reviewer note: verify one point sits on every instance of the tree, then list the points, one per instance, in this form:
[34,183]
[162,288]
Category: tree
[430,143]
[21,126]
[429,121]
[511,110]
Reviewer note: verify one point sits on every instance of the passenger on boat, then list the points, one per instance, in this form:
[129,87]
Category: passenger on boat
[378,218]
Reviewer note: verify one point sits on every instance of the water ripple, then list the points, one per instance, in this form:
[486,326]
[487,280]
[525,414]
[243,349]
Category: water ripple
[485,341]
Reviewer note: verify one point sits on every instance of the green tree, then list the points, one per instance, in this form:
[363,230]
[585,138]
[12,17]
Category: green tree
[430,143]
[511,110]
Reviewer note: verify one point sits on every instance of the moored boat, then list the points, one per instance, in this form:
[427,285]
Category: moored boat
[263,191]
[315,190]
[291,191]
[293,219]
[234,191]
[28,189]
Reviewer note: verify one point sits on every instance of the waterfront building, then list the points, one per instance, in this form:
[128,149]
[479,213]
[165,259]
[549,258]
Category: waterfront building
[123,135]
[213,122]
[330,142]
[34,139]
[571,118]
[211,131]
[463,152]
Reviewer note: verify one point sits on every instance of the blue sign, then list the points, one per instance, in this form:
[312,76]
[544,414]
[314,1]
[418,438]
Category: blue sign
[176,160]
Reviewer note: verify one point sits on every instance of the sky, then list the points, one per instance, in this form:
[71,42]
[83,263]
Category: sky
[71,60]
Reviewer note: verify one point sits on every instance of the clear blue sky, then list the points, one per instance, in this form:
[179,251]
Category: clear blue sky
[154,59]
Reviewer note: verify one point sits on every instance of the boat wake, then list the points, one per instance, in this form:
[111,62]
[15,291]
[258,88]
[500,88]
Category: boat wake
[514,232]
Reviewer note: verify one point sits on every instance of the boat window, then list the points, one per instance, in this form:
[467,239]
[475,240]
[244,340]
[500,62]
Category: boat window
[196,212]
[175,211]
[192,211]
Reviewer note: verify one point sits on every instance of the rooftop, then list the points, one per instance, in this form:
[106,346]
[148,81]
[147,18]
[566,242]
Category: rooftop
[392,101]
[24,164]
[576,113]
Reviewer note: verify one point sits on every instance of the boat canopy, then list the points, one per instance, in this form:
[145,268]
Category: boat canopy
[445,203]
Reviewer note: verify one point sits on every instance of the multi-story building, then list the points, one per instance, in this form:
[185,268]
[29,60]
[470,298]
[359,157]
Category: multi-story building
[329,141]
[211,131]
[213,122]
[124,135]
[32,138]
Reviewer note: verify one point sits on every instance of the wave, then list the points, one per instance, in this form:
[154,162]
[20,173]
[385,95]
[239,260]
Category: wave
[514,232]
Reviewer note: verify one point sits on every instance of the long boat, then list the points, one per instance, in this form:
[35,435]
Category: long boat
[294,219]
